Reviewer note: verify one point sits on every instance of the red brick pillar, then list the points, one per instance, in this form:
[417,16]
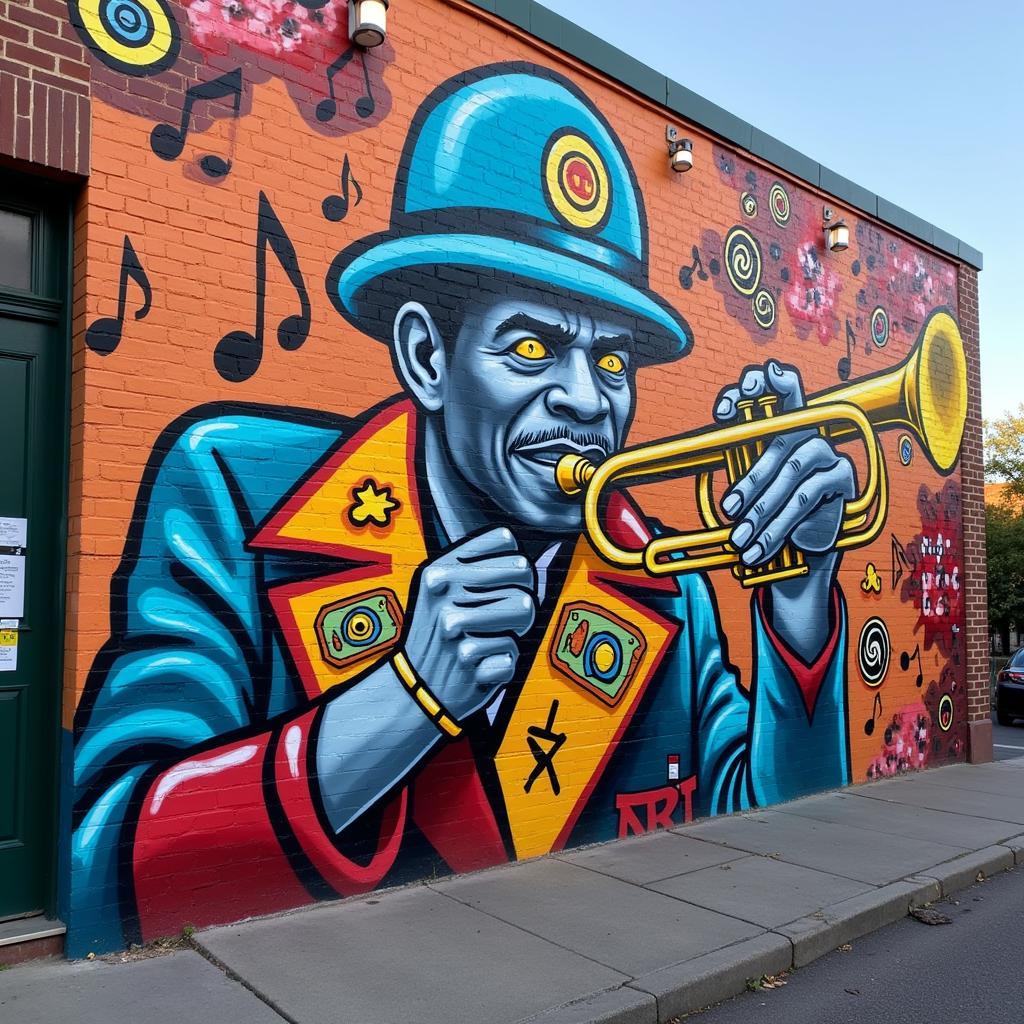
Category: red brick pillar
[972,476]
[44,88]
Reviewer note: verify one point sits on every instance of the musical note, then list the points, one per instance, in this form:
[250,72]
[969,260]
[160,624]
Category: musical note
[167,141]
[845,363]
[899,562]
[104,335]
[906,658]
[328,107]
[869,725]
[336,207]
[238,354]
[686,274]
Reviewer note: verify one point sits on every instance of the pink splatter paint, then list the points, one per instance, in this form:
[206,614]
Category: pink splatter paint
[271,27]
[813,291]
[905,745]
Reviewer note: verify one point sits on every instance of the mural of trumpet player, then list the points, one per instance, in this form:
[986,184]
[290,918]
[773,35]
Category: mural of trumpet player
[353,652]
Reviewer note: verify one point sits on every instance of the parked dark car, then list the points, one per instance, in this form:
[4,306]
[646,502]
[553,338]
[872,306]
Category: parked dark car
[1010,690]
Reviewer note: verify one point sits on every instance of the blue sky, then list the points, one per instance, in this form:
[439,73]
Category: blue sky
[919,102]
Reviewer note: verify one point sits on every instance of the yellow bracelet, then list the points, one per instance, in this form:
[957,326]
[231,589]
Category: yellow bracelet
[421,694]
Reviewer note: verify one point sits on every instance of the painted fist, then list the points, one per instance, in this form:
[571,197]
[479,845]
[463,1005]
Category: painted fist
[797,490]
[469,607]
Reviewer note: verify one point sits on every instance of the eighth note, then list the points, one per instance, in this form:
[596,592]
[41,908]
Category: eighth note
[336,207]
[845,363]
[869,725]
[238,354]
[906,658]
[104,335]
[686,274]
[328,107]
[168,142]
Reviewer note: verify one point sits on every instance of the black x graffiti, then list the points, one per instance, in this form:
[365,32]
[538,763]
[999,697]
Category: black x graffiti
[545,758]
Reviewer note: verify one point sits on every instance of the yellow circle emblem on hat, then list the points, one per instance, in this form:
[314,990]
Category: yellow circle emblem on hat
[576,181]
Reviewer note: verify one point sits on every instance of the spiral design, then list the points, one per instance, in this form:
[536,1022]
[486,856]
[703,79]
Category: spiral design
[743,261]
[763,305]
[135,37]
[873,652]
[778,202]
[748,204]
[880,327]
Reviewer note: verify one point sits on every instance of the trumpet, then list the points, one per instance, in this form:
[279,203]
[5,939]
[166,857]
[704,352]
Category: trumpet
[925,395]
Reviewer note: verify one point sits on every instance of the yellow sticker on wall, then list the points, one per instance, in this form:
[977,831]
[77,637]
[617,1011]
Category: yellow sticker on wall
[8,650]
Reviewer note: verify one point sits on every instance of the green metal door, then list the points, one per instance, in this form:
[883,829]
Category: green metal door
[34,221]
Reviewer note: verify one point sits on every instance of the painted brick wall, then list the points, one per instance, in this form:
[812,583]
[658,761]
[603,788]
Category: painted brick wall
[44,87]
[330,309]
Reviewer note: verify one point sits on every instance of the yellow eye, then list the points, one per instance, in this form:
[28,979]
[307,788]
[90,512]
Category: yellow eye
[531,348]
[612,363]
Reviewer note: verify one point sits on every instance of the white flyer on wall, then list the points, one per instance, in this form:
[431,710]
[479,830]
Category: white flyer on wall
[13,532]
[8,650]
[12,586]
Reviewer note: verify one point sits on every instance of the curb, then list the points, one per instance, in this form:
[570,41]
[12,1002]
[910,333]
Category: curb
[662,995]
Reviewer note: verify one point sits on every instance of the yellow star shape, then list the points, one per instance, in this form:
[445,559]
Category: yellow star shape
[372,505]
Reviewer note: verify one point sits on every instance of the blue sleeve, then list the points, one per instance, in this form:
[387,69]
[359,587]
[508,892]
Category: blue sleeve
[759,747]
[188,643]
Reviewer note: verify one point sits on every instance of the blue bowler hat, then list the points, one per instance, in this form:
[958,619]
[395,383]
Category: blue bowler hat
[511,170]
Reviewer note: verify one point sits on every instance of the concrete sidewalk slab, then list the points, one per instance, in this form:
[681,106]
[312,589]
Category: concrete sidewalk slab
[981,779]
[623,926]
[971,868]
[837,849]
[169,989]
[761,890]
[411,955]
[943,827]
[649,858]
[939,797]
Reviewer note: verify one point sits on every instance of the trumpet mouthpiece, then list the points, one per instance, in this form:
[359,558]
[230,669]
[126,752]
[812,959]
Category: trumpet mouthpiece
[573,473]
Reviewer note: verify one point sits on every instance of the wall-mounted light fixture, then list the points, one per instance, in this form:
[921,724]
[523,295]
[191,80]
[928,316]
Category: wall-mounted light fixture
[368,22]
[680,151]
[837,234]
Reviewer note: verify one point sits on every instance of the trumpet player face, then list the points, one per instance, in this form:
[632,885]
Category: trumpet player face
[518,383]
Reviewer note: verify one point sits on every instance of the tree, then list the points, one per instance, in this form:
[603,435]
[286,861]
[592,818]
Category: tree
[1005,551]
[1004,450]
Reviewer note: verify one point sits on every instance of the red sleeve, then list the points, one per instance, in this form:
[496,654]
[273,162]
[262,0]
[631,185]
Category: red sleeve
[809,677]
[234,832]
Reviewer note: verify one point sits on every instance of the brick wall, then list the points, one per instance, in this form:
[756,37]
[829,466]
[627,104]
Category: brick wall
[250,509]
[975,586]
[44,87]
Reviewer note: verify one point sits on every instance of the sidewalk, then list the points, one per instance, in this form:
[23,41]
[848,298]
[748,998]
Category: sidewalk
[635,931]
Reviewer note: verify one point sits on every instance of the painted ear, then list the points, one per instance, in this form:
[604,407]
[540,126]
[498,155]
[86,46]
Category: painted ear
[419,355]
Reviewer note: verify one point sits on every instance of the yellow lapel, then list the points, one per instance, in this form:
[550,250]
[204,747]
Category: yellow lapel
[360,505]
[599,653]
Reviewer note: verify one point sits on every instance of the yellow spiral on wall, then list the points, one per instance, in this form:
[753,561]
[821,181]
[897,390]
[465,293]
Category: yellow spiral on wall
[135,37]
[763,306]
[743,261]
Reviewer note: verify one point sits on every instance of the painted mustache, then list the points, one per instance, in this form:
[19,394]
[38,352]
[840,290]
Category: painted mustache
[551,444]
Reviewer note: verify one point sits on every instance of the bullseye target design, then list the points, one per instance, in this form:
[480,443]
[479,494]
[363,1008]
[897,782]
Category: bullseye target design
[135,37]
[946,713]
[880,327]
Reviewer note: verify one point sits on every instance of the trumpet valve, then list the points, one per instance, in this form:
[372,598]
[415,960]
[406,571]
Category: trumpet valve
[573,473]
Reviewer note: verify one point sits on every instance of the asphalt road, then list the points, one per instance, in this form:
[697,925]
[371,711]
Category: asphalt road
[1007,740]
[909,973]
